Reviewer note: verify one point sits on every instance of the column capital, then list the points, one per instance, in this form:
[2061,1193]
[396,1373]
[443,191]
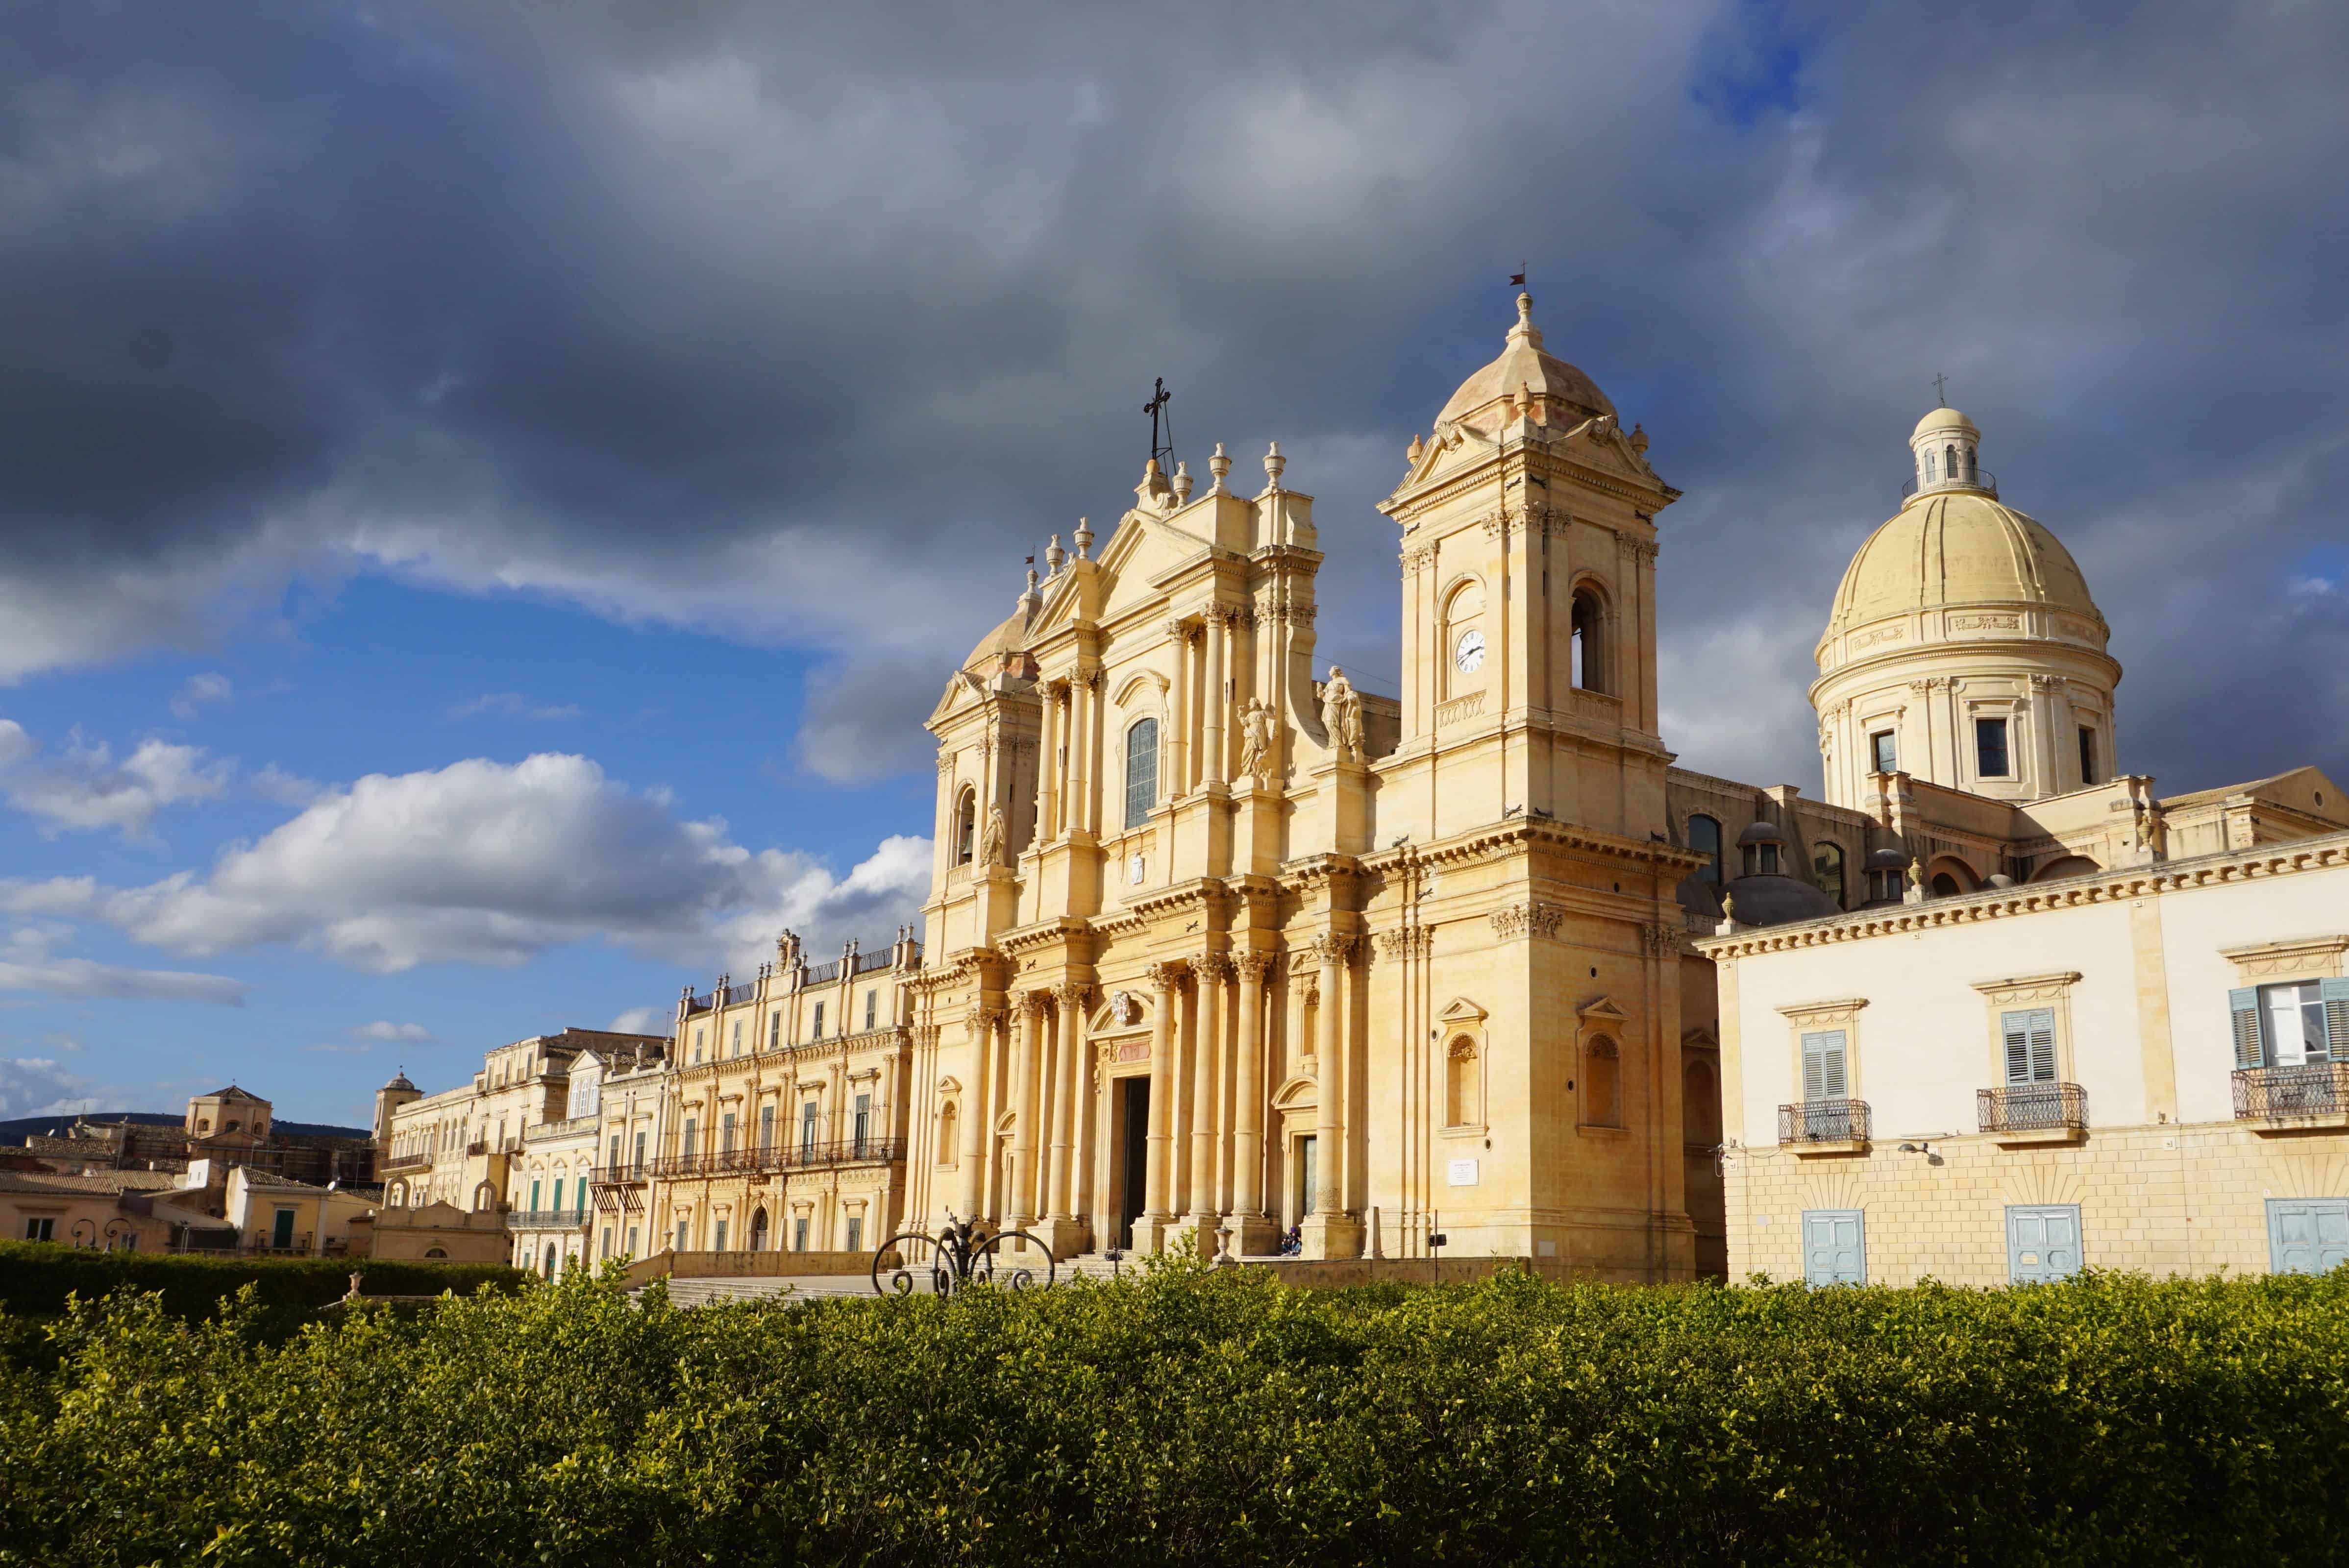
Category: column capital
[1033,1004]
[1335,948]
[1255,966]
[1167,976]
[1073,997]
[1213,967]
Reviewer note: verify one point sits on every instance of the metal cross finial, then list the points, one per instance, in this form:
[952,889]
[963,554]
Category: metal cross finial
[1161,452]
[1941,391]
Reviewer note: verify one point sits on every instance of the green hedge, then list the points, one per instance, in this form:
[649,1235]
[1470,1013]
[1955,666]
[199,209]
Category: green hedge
[1188,1419]
[35,1278]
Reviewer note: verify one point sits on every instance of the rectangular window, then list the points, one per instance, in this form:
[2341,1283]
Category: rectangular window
[697,1045]
[2042,1242]
[687,1150]
[1883,752]
[2307,1235]
[718,1238]
[766,1127]
[863,1125]
[1826,1065]
[799,1235]
[871,1008]
[2029,1037]
[640,1148]
[2087,755]
[533,1197]
[615,1151]
[606,1251]
[1989,748]
[856,1234]
[41,1230]
[558,1195]
[807,1130]
[632,1241]
[1835,1246]
[818,1032]
[2287,1025]
[725,1134]
[775,1032]
[738,1036]
[1141,771]
[282,1235]
[681,1235]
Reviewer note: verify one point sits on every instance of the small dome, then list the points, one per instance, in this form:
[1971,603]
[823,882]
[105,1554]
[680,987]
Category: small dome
[399,1081]
[1888,861]
[1522,367]
[1778,900]
[1943,419]
[1760,833]
[1998,879]
[1959,547]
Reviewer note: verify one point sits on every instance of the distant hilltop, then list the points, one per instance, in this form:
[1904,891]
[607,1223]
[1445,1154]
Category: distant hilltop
[14,1132]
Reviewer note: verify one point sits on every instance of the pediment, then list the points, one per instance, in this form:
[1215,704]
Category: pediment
[1701,1038]
[1602,1009]
[949,1086]
[1460,1010]
[1296,1094]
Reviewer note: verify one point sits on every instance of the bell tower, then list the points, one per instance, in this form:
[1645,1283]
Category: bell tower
[1529,607]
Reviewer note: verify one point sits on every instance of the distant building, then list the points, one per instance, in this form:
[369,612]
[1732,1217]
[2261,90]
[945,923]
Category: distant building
[230,1125]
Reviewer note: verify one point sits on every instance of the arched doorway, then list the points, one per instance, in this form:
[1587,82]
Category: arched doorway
[758,1231]
[550,1260]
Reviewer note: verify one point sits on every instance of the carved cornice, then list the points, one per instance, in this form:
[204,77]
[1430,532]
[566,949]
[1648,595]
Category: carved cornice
[2313,955]
[2072,892]
[1531,919]
[2030,988]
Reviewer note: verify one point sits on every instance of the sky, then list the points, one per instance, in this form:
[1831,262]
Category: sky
[489,491]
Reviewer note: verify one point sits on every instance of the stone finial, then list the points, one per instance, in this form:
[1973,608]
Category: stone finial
[1183,482]
[1054,556]
[1084,538]
[1274,464]
[1416,450]
[1218,466]
[1639,438]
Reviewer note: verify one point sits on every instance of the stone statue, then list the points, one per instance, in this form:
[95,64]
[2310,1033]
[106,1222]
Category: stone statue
[1729,907]
[1341,716]
[1916,875]
[1255,741]
[990,845]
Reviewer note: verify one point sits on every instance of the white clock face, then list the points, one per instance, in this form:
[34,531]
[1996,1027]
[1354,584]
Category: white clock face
[1470,654]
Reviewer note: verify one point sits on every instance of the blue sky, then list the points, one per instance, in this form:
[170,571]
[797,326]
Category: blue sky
[488,493]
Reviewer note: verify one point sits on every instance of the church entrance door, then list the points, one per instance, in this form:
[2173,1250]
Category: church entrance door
[1133,1155]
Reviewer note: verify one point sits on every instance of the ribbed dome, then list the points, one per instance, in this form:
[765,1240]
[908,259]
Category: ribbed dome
[1943,419]
[1524,367]
[1959,547]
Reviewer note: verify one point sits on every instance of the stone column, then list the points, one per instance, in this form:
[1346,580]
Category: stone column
[1066,1227]
[1255,1226]
[1025,1111]
[1158,1214]
[1174,751]
[1330,1231]
[977,1138]
[1081,745]
[1210,974]
[1214,710]
[1048,768]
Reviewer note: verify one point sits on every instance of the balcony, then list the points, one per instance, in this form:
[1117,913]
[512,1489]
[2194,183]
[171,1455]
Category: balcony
[541,1132]
[1824,1126]
[1979,480]
[2022,1113]
[765,1161]
[545,1219]
[2307,1097]
[398,1162]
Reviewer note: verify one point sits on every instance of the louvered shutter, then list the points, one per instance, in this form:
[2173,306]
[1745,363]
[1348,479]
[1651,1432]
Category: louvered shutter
[2043,1044]
[2335,996]
[2017,1029]
[2243,1007]
[1824,1074]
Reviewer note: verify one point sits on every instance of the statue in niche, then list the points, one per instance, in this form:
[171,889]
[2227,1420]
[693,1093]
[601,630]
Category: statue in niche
[1255,741]
[990,845]
[1341,716]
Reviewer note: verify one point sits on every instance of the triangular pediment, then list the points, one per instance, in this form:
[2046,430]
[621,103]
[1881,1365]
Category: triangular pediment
[1603,1008]
[1461,1010]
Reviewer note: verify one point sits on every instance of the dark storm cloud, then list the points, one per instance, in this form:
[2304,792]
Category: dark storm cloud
[807,325]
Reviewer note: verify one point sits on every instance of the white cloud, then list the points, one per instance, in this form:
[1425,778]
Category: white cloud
[36,1085]
[86,789]
[642,1021]
[396,1034]
[482,862]
[198,690]
[513,705]
[26,964]
[275,784]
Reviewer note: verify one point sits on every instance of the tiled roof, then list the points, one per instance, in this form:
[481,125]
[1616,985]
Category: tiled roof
[97,1182]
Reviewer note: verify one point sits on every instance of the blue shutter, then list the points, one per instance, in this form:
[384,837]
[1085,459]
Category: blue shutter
[2042,1242]
[1835,1246]
[2243,1007]
[2335,995]
[2307,1235]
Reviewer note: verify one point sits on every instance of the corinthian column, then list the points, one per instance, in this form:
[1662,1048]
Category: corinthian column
[1071,1000]
[980,1027]
[1165,983]
[1329,1054]
[1024,1142]
[1213,711]
[1247,1124]
[1211,973]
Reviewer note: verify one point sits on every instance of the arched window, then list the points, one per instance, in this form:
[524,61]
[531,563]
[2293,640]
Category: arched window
[1602,1080]
[550,1260]
[1700,1105]
[1141,771]
[946,1150]
[965,833]
[1945,885]
[759,1230]
[1590,635]
[1827,869]
[436,1251]
[1460,1106]
[1972,470]
[1462,650]
[1929,465]
[1705,837]
[1949,462]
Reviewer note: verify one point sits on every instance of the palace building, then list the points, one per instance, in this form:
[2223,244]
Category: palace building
[1218,944]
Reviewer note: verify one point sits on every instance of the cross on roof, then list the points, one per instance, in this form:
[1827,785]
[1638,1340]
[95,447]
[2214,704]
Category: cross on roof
[1941,390]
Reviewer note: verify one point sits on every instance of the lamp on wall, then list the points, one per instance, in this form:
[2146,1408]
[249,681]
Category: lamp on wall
[1924,1147]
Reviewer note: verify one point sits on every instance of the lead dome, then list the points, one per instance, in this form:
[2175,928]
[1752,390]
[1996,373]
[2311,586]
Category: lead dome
[1523,368]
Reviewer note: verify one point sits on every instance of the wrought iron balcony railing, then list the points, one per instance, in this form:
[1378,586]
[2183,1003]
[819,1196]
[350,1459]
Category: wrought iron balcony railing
[411,1161]
[1979,480]
[545,1219]
[754,1161]
[2307,1088]
[1823,1121]
[2032,1108]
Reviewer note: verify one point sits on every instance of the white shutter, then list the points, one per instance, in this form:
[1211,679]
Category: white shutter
[2243,1007]
[1824,1073]
[2335,993]
[2015,1028]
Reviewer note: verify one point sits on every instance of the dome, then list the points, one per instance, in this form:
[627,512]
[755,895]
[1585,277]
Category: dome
[1760,833]
[399,1081]
[1524,367]
[1943,418]
[1959,547]
[1777,900]
[1888,860]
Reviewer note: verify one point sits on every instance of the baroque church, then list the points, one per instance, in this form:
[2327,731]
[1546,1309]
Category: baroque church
[1218,946]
